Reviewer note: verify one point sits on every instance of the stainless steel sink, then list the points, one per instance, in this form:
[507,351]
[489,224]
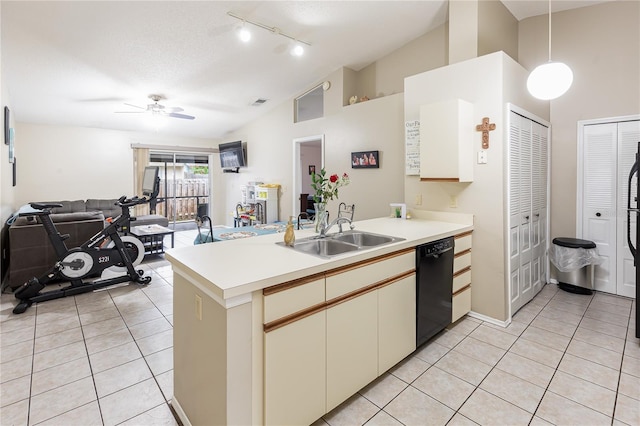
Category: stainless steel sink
[335,244]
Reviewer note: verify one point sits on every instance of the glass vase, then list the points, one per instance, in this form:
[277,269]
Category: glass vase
[322,217]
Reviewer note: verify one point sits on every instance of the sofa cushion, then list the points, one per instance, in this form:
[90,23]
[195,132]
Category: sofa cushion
[68,206]
[60,218]
[107,207]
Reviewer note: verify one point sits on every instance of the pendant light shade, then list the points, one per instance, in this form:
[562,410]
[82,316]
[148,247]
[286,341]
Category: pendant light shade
[550,80]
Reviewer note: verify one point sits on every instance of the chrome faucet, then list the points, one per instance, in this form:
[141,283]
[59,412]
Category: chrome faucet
[339,220]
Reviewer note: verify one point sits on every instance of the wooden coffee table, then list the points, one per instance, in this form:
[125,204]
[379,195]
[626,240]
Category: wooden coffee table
[152,237]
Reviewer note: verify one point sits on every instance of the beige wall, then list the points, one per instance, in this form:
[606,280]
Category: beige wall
[601,44]
[71,163]
[497,29]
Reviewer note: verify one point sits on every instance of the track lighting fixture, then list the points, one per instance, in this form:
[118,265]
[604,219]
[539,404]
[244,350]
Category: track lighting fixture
[298,48]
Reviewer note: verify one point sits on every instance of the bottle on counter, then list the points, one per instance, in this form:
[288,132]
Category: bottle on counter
[289,235]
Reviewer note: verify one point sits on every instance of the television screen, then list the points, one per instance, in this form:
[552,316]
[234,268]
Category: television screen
[149,180]
[231,155]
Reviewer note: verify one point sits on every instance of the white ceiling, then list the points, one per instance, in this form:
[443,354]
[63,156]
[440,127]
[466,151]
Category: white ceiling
[76,63]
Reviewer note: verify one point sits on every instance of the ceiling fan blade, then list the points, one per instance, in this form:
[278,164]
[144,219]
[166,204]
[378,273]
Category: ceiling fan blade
[173,109]
[130,112]
[185,116]
[136,106]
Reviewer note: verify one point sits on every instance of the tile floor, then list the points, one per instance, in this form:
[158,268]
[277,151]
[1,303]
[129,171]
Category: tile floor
[105,358]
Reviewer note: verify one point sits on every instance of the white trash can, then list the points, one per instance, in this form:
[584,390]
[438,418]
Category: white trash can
[573,261]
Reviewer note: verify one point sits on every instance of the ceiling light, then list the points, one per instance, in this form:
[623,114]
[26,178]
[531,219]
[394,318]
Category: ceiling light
[273,30]
[297,50]
[551,80]
[244,34]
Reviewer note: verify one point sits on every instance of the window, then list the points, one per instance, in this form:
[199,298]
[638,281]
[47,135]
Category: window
[309,105]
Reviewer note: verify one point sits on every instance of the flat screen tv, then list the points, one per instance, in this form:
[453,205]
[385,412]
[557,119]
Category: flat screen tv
[232,155]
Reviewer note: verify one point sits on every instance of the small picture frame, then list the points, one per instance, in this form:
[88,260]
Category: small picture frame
[365,160]
[312,169]
[7,115]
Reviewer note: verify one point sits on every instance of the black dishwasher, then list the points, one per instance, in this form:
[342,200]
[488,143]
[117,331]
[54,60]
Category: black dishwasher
[434,285]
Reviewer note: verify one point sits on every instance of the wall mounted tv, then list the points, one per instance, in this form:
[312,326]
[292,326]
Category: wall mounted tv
[232,156]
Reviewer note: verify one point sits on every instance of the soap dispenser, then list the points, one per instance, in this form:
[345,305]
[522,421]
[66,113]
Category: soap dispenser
[289,236]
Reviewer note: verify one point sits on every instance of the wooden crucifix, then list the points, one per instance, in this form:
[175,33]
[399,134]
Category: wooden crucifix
[485,128]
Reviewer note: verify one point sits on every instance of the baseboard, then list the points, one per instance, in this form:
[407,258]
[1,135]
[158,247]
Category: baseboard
[485,318]
[180,412]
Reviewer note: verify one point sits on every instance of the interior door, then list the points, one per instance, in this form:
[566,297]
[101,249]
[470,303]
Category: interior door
[514,208]
[525,211]
[628,138]
[599,199]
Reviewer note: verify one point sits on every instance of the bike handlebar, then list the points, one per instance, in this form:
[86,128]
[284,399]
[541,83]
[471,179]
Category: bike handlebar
[129,202]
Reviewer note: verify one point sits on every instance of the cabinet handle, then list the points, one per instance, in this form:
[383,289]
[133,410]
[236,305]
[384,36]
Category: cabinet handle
[598,214]
[527,217]
[537,214]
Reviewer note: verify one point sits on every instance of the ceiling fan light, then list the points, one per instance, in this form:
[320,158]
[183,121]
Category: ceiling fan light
[244,34]
[550,81]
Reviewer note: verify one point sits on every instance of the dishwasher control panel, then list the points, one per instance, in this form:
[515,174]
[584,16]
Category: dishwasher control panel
[437,246]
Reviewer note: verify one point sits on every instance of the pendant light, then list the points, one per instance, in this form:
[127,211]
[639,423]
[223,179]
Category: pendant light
[551,80]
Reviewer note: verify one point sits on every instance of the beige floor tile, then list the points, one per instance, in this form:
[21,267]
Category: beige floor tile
[612,300]
[57,356]
[583,392]
[130,402]
[165,381]
[537,421]
[149,328]
[608,317]
[444,387]
[537,352]
[16,336]
[60,400]
[166,309]
[610,308]
[159,294]
[120,377]
[18,350]
[561,411]
[464,325]
[100,315]
[464,367]
[409,369]
[108,341]
[629,385]
[448,338]
[170,319]
[62,314]
[524,316]
[137,317]
[460,420]
[494,337]
[56,304]
[485,408]
[513,389]
[57,326]
[17,322]
[431,352]
[557,315]
[86,415]
[555,326]
[599,339]
[627,410]
[133,303]
[593,353]
[60,375]
[631,365]
[96,304]
[526,369]
[56,340]
[158,416]
[16,414]
[604,327]
[515,328]
[103,327]
[590,371]
[15,390]
[480,350]
[16,368]
[382,390]
[156,342]
[567,307]
[382,418]
[632,348]
[356,410]
[101,361]
[160,362]
[413,407]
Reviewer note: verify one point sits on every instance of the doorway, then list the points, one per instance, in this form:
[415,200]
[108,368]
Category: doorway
[308,155]
[606,152]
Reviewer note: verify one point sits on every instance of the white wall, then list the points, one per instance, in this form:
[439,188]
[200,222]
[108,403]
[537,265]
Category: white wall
[72,163]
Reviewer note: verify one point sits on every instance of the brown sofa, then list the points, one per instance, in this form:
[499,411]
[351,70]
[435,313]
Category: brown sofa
[30,251]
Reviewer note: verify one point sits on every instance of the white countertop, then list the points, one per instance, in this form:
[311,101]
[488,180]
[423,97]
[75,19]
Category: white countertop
[238,267]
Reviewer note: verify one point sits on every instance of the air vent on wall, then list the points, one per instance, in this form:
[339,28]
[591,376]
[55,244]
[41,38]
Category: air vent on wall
[258,102]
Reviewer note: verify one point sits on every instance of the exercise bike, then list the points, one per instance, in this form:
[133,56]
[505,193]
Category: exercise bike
[106,250]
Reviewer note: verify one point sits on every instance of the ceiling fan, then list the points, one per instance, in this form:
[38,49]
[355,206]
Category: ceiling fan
[157,109]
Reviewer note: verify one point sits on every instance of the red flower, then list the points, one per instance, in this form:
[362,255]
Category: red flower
[333,178]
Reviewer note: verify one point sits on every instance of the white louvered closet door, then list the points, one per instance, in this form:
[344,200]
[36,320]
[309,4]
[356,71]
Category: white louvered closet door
[599,199]
[528,168]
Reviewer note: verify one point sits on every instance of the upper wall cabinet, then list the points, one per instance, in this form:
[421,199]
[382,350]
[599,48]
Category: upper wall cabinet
[446,141]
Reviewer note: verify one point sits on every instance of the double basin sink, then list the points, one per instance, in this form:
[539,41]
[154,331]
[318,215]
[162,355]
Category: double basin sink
[335,244]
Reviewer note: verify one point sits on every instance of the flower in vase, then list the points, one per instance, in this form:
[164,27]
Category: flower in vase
[326,188]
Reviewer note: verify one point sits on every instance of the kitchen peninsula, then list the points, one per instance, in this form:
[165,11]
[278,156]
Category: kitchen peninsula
[264,334]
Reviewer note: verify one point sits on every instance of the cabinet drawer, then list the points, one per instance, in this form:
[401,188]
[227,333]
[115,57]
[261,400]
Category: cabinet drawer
[461,280]
[461,304]
[461,261]
[462,243]
[353,279]
[287,302]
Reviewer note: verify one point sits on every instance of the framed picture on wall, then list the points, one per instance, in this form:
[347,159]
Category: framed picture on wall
[312,169]
[365,160]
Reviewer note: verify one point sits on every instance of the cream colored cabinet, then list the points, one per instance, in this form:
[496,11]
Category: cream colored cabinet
[396,321]
[446,141]
[461,297]
[352,347]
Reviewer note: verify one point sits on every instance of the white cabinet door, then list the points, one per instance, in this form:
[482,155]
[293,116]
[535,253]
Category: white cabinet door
[294,372]
[599,199]
[352,346]
[396,322]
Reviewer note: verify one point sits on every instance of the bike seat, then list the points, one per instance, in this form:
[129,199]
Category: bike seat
[45,206]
